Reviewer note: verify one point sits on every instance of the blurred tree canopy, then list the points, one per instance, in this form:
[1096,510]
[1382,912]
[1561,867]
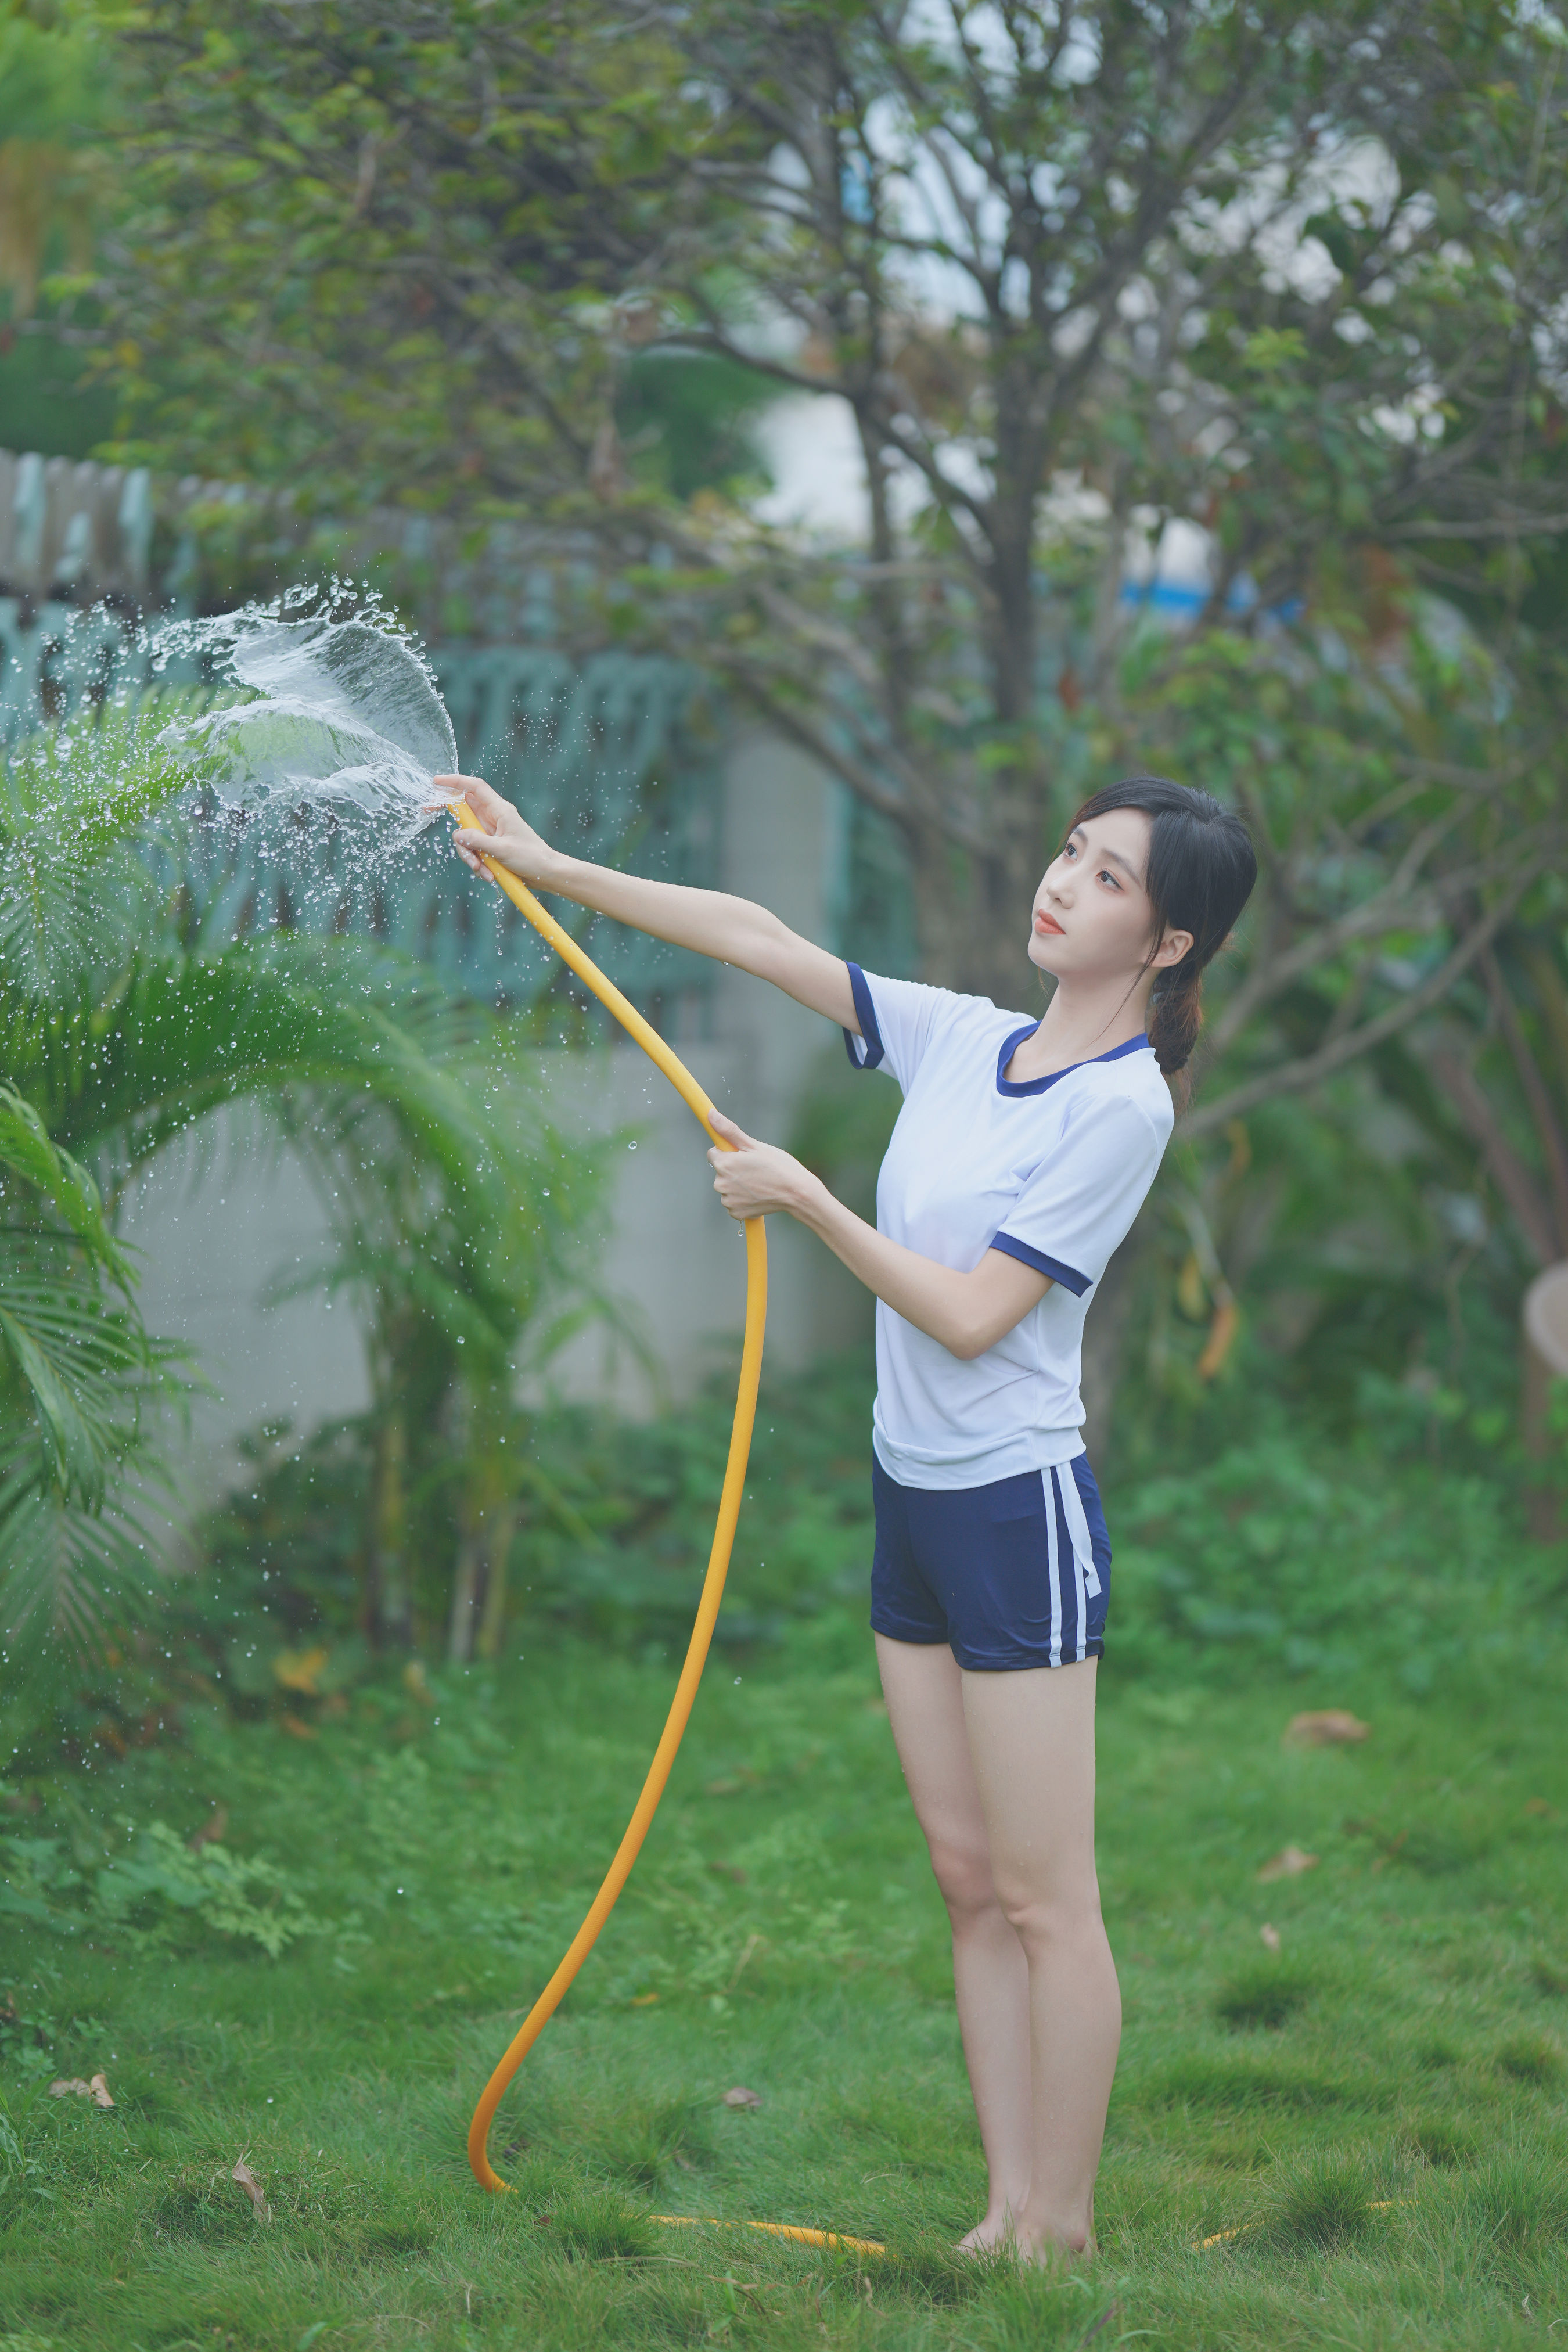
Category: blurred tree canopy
[1291,277]
[55,180]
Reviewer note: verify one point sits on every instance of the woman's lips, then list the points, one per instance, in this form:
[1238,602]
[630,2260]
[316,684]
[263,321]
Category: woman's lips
[1044,922]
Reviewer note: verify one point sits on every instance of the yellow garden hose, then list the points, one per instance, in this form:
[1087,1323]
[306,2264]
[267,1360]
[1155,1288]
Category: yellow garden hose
[636,1829]
[615,1877]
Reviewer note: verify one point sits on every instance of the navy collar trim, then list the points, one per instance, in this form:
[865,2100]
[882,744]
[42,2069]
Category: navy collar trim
[1038,1086]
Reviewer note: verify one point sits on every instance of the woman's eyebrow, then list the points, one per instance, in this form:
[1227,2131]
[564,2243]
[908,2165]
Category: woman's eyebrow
[1111,857]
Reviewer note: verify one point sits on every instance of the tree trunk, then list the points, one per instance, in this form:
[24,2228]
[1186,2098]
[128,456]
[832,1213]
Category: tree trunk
[972,914]
[1105,1337]
[500,1525]
[386,1604]
[467,1588]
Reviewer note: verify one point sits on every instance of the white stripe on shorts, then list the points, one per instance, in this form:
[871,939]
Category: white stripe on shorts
[1051,1555]
[1077,1527]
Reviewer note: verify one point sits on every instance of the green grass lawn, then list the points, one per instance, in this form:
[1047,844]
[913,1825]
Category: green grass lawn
[1374,2116]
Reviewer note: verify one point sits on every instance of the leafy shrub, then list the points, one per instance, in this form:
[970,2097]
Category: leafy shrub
[1278,1550]
[156,1892]
[1290,1553]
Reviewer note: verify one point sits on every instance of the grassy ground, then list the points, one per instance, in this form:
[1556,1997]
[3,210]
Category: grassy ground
[1374,2116]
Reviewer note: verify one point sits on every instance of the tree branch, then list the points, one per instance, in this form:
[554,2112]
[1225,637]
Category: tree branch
[1295,1078]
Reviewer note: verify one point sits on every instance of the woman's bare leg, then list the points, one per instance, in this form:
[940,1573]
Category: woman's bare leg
[991,1979]
[1031,1748]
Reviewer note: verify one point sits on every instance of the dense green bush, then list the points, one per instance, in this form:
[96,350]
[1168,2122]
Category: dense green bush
[1274,1543]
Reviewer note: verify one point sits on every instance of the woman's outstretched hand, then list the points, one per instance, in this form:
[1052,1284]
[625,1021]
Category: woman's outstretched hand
[757,1179]
[499,834]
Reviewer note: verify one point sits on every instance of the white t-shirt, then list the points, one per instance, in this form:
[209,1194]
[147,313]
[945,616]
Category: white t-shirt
[1052,1170]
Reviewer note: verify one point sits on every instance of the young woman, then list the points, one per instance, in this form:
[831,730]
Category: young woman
[1022,1154]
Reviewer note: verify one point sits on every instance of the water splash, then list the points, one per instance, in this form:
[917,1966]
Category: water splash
[338,709]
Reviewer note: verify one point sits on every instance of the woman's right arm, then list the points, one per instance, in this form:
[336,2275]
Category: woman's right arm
[732,930]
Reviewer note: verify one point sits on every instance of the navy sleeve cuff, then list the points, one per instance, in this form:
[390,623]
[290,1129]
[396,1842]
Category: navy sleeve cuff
[866,1013]
[1068,1276]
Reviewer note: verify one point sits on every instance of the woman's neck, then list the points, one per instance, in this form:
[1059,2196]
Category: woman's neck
[1079,1023]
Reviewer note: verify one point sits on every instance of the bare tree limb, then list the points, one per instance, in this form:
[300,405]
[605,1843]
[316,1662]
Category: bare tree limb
[1296,1078]
[1508,1170]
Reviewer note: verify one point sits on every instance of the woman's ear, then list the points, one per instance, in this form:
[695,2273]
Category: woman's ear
[1172,947]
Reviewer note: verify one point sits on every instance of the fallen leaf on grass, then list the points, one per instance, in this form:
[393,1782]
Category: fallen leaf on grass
[298,1731]
[741,2097]
[252,2186]
[299,1670]
[1288,1863]
[1325,1727]
[643,2000]
[97,2090]
[211,1830]
[1270,1935]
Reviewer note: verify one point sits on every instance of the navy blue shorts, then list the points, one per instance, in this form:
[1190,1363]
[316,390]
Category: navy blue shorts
[992,1571]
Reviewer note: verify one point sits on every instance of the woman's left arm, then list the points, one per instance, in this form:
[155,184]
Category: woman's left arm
[965,1313]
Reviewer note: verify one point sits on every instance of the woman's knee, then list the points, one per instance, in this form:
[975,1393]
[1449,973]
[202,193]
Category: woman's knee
[962,1871]
[1044,1919]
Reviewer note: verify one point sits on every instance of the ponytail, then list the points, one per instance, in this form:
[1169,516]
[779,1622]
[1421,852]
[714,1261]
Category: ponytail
[1201,867]
[1176,1012]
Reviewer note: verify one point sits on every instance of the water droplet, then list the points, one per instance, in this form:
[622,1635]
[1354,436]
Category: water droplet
[631,1146]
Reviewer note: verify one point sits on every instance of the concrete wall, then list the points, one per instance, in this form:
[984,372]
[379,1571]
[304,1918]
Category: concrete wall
[212,1243]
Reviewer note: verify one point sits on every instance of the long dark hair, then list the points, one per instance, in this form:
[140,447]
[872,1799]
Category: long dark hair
[1201,867]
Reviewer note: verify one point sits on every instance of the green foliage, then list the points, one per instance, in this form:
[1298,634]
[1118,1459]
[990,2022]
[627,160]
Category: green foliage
[56,187]
[1256,1533]
[124,1030]
[152,1892]
[459,239]
[687,425]
[611,1535]
[79,1378]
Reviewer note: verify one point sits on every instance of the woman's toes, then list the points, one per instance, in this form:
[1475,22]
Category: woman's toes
[988,2237]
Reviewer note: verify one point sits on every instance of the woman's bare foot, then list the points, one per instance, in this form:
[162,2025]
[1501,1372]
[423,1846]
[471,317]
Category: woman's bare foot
[992,2235]
[1046,2250]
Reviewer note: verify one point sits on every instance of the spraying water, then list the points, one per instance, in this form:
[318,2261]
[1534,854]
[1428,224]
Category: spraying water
[342,710]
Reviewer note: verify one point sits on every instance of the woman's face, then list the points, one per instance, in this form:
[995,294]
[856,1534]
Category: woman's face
[1092,917]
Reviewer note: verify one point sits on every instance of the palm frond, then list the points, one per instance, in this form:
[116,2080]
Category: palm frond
[180,1035]
[90,1371]
[66,1571]
[28,1151]
[75,894]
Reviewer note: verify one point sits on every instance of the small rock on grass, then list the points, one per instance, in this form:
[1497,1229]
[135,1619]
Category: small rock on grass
[739,2096]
